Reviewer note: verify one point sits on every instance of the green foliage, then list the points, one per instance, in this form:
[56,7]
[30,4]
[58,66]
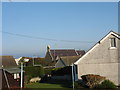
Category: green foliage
[56,69]
[79,84]
[30,72]
[62,71]
[48,71]
[27,79]
[39,61]
[106,84]
[35,61]
[34,71]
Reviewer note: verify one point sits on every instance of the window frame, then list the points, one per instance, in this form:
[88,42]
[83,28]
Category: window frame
[113,43]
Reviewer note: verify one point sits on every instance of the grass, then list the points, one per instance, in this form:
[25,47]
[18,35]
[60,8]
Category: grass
[43,85]
[50,83]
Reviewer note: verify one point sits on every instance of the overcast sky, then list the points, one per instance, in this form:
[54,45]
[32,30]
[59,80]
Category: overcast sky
[29,27]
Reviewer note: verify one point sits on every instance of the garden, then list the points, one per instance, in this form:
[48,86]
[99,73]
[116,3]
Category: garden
[42,79]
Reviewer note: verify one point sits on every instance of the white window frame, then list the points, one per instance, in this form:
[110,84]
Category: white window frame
[114,45]
[15,76]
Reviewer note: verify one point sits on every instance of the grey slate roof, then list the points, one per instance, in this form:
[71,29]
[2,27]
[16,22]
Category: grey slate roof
[68,60]
[8,61]
[13,70]
[66,52]
[8,64]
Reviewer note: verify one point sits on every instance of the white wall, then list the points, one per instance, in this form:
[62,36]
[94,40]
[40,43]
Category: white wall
[110,71]
[102,60]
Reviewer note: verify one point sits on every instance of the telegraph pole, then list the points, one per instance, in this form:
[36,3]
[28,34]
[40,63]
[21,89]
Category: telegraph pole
[21,75]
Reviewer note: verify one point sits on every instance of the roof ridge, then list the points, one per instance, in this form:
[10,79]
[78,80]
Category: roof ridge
[62,49]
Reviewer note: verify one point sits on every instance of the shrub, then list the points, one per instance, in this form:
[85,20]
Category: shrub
[79,84]
[27,79]
[106,84]
[91,80]
[48,71]
[31,72]
[34,71]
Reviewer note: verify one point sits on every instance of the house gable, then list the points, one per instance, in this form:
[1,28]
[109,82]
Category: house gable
[66,61]
[48,57]
[102,59]
[101,51]
[60,63]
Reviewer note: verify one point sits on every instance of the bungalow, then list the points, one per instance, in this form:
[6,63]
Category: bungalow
[53,55]
[10,72]
[102,59]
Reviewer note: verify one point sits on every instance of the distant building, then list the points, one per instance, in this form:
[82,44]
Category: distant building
[17,60]
[102,59]
[66,61]
[53,55]
[10,72]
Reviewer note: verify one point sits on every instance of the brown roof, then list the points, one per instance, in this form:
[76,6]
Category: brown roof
[7,61]
[68,60]
[65,52]
[80,52]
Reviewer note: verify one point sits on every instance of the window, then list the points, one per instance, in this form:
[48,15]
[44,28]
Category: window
[113,42]
[15,76]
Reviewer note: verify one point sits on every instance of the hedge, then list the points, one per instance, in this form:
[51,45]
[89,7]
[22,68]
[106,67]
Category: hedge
[34,71]
[61,71]
[48,71]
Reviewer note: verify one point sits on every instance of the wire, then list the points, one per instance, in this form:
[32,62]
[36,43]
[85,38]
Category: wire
[33,37]
[27,36]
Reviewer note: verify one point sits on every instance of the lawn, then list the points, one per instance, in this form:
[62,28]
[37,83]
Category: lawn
[43,85]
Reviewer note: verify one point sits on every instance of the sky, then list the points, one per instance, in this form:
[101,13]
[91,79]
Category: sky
[28,27]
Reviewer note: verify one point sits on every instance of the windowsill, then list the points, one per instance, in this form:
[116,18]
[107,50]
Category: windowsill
[113,47]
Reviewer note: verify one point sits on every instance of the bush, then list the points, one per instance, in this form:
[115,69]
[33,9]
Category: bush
[48,71]
[31,72]
[34,71]
[91,80]
[27,79]
[79,84]
[106,84]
